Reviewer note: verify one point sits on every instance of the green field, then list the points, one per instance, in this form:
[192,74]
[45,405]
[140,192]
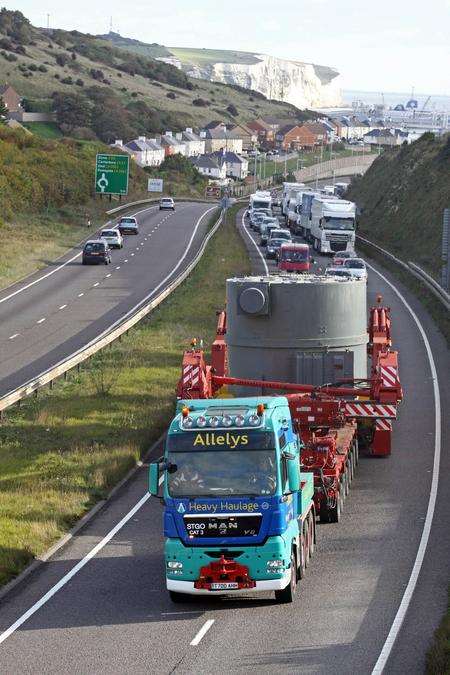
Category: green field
[62,452]
[208,57]
[44,129]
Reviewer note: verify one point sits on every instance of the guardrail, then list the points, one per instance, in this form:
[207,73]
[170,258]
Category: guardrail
[155,200]
[109,335]
[416,271]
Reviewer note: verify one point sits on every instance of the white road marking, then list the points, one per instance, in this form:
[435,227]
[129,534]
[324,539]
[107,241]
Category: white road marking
[63,307]
[60,267]
[202,632]
[80,295]
[97,283]
[266,269]
[407,596]
[67,577]
[118,267]
[11,337]
[41,320]
[132,254]
[126,260]
[108,275]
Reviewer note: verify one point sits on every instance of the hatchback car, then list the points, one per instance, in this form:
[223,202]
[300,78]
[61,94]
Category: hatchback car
[338,272]
[113,237]
[167,203]
[342,256]
[128,225]
[266,232]
[96,252]
[273,247]
[357,267]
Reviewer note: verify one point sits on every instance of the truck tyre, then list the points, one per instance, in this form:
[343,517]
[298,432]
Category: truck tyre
[286,595]
[334,514]
[179,597]
[312,533]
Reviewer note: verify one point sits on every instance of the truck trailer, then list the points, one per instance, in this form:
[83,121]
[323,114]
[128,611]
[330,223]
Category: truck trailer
[333,223]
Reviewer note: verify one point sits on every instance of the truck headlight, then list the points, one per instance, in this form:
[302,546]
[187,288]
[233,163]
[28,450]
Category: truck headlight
[188,422]
[174,565]
[275,565]
[201,421]
[254,420]
[239,420]
[227,421]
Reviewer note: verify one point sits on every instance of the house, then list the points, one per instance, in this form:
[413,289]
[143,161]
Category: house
[388,137]
[215,124]
[295,137]
[264,131]
[210,167]
[235,165]
[144,151]
[218,139]
[171,144]
[273,122]
[320,130]
[195,145]
[249,136]
[10,98]
[353,128]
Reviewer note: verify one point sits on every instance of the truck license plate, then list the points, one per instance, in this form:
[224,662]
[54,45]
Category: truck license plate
[225,586]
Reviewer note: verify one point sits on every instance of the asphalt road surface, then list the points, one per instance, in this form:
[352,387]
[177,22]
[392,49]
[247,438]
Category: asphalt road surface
[100,604]
[51,314]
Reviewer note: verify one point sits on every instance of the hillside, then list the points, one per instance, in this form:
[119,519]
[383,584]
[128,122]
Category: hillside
[296,82]
[106,92]
[402,197]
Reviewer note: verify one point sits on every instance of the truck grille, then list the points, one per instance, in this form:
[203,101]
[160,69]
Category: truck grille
[337,237]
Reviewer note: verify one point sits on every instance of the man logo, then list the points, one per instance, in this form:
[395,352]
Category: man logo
[265,506]
[181,508]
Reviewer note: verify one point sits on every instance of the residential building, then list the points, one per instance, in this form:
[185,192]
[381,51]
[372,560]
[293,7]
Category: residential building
[387,137]
[10,98]
[215,124]
[295,137]
[144,151]
[210,167]
[219,139]
[320,130]
[354,128]
[273,122]
[171,144]
[235,165]
[249,136]
[264,132]
[195,145]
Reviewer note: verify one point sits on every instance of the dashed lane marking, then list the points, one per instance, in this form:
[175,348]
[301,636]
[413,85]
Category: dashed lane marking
[41,320]
[12,337]
[108,275]
[97,283]
[202,632]
[80,295]
[63,307]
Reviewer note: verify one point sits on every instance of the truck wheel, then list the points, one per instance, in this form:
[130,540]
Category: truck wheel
[286,595]
[179,597]
[311,533]
[335,512]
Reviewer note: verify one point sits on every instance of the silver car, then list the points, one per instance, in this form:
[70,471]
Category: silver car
[356,267]
[113,237]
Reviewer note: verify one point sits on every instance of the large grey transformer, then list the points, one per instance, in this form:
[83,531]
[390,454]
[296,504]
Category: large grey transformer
[303,328]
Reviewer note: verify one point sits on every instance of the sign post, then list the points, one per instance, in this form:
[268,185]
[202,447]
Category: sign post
[155,185]
[111,174]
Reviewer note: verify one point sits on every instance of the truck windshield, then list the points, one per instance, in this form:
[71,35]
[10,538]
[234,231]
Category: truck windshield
[260,205]
[331,223]
[225,472]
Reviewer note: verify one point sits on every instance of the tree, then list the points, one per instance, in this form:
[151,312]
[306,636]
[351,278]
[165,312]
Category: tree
[3,112]
[72,110]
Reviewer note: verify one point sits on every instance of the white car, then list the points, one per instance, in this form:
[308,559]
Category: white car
[357,267]
[113,237]
[338,272]
[167,203]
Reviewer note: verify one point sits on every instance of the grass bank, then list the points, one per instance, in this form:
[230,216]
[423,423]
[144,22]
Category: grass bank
[438,656]
[49,130]
[62,452]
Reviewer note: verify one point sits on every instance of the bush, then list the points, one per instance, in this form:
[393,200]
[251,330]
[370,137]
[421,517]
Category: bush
[232,110]
[20,50]
[9,57]
[61,59]
[43,69]
[56,76]
[200,102]
[33,67]
[96,74]
[67,80]
[171,95]
[79,82]
[6,44]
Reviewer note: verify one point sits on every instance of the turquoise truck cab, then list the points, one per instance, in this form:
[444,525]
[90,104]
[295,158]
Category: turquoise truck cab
[238,513]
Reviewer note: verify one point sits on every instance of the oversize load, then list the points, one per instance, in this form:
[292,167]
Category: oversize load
[111,174]
[221,440]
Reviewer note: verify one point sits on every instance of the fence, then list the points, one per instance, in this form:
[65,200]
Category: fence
[344,166]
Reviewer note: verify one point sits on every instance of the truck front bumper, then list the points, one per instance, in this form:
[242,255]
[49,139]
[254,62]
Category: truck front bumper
[261,586]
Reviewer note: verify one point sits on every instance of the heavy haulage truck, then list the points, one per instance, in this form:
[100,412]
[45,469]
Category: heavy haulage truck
[245,479]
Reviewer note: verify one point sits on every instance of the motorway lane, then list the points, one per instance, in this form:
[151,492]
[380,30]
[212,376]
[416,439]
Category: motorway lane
[47,321]
[115,615]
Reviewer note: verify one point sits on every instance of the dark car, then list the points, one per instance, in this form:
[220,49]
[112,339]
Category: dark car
[96,252]
[128,225]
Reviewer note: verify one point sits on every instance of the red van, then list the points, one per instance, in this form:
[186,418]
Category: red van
[294,258]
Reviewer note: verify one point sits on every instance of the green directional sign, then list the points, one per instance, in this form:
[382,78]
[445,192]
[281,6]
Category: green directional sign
[111,174]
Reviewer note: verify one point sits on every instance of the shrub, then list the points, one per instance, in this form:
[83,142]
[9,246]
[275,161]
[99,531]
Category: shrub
[9,57]
[43,69]
[232,110]
[20,50]
[96,74]
[61,59]
[6,44]
[56,76]
[79,82]
[170,94]
[73,56]
[33,67]
[67,80]
[200,102]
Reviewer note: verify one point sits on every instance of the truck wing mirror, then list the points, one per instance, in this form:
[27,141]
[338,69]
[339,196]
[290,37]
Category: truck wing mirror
[153,479]
[293,472]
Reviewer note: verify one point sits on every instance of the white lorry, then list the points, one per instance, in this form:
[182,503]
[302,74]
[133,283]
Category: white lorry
[289,190]
[304,218]
[295,209]
[333,223]
[260,200]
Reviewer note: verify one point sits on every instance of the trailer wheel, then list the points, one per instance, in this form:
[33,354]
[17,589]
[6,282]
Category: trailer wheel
[179,597]
[356,452]
[311,533]
[286,595]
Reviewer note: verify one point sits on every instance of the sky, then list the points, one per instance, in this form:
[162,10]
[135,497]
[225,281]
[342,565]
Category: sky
[386,46]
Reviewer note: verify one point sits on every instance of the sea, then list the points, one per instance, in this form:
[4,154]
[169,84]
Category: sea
[436,102]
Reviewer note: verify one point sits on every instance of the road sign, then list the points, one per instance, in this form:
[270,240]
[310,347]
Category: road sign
[111,174]
[213,191]
[155,184]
